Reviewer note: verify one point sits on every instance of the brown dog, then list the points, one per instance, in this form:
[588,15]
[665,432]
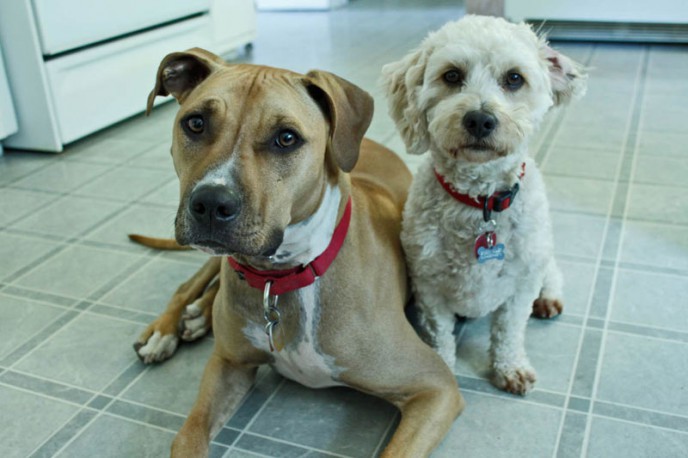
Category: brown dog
[263,156]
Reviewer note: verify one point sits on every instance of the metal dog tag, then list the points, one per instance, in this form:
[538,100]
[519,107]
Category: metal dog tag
[486,248]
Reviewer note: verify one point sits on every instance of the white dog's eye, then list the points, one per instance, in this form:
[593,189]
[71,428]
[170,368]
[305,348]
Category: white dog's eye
[453,76]
[513,81]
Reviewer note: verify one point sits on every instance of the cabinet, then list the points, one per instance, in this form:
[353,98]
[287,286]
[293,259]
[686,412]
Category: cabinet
[77,66]
[8,121]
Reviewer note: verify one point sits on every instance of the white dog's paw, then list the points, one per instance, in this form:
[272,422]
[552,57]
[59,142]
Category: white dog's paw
[195,323]
[516,380]
[547,308]
[157,347]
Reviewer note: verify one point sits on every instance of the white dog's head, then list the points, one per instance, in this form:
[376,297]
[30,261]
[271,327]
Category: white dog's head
[476,88]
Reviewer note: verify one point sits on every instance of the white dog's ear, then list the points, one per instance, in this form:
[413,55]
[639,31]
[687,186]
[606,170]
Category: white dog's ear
[402,81]
[568,77]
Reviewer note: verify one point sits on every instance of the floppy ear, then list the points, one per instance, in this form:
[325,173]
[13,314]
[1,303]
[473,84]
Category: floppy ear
[180,72]
[403,81]
[568,77]
[349,109]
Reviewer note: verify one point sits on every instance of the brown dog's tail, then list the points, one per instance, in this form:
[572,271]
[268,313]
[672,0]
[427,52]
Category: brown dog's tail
[159,244]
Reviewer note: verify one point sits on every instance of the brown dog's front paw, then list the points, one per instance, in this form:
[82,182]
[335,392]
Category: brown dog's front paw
[158,342]
[518,380]
[196,322]
[547,308]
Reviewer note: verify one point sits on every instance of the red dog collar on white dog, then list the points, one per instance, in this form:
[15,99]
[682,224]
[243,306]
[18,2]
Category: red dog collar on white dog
[497,202]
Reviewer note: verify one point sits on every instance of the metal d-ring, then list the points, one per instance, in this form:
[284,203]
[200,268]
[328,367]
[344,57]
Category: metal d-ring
[271,313]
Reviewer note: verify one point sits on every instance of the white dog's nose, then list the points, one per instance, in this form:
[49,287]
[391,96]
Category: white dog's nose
[479,123]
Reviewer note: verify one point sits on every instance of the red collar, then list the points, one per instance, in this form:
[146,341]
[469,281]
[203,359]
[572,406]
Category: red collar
[496,202]
[284,281]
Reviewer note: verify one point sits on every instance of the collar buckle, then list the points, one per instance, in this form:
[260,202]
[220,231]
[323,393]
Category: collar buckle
[499,201]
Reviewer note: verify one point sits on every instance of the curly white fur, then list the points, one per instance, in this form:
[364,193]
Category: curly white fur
[439,233]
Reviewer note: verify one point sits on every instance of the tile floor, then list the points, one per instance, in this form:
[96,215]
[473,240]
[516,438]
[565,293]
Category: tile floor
[74,293]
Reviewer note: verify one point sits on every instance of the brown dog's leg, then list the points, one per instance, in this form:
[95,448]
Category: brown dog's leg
[159,341]
[222,389]
[416,380]
[197,318]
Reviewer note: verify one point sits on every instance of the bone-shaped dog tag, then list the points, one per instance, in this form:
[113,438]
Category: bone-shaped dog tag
[486,247]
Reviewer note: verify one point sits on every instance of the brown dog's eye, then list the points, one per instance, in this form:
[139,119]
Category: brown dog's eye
[195,124]
[452,76]
[513,81]
[286,139]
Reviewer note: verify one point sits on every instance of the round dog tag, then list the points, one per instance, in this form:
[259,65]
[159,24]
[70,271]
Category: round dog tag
[486,240]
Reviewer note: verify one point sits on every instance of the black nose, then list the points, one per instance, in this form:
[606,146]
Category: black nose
[212,203]
[479,123]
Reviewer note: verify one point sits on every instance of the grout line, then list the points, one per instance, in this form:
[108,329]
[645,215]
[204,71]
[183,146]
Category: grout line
[68,316]
[259,411]
[387,434]
[645,425]
[46,396]
[293,444]
[102,411]
[635,126]
[583,334]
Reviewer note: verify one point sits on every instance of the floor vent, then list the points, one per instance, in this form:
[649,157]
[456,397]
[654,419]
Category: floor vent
[612,31]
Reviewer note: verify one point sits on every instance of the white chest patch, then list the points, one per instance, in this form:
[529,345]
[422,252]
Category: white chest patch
[306,240]
[301,360]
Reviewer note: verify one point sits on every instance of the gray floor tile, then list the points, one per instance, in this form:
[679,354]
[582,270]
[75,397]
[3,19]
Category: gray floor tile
[550,345]
[584,137]
[131,439]
[89,352]
[17,164]
[235,453]
[167,194]
[615,438]
[584,115]
[158,157]
[579,194]
[173,385]
[61,176]
[18,252]
[151,288]
[578,162]
[643,372]
[651,299]
[666,171]
[662,143]
[578,282]
[77,271]
[661,204]
[136,219]
[68,216]
[655,245]
[339,420]
[16,203]
[497,427]
[125,183]
[102,149]
[577,235]
[27,420]
[21,319]
[665,117]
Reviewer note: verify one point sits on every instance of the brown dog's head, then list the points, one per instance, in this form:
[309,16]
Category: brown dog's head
[254,147]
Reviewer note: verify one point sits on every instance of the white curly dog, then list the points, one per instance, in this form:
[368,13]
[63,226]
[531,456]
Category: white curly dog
[476,224]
